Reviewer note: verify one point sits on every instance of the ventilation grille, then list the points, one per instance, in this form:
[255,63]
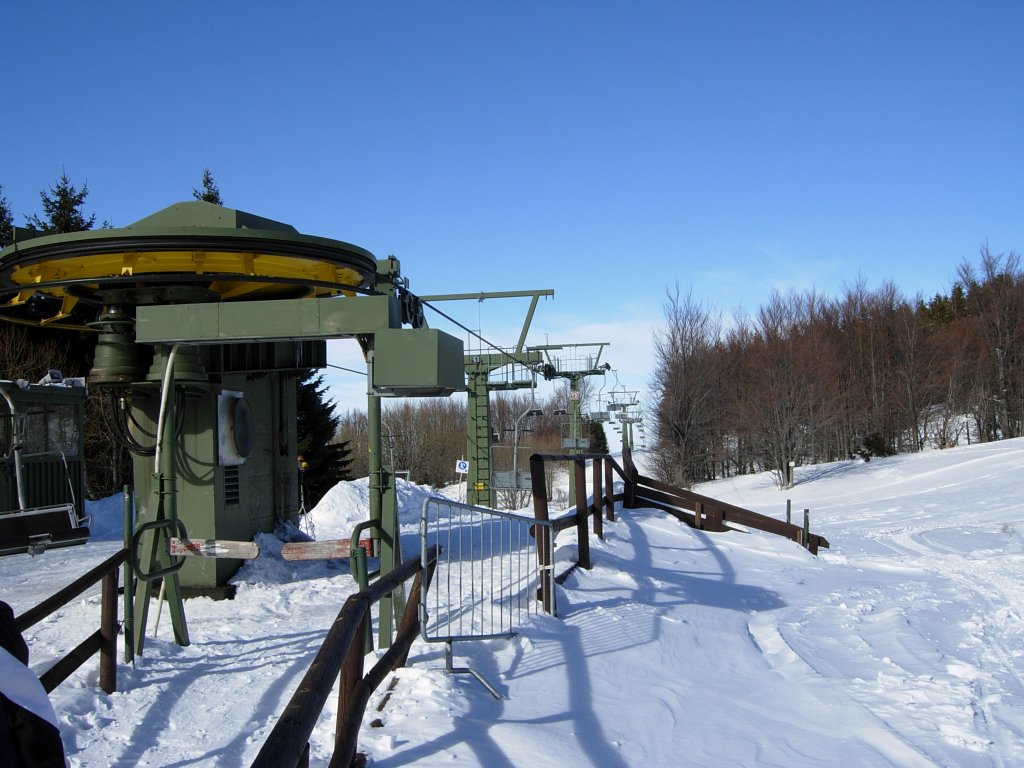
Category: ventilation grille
[231,486]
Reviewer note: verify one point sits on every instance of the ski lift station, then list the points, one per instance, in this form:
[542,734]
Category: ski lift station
[204,317]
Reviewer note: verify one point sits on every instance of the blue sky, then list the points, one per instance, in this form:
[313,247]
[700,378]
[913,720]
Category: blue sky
[607,150]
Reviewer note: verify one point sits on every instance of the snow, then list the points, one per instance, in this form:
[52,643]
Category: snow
[901,645]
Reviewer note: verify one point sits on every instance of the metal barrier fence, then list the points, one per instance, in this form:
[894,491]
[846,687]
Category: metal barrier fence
[491,569]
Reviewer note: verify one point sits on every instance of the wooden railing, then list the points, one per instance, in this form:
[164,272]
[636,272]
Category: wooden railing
[603,498]
[697,511]
[341,657]
[706,513]
[103,640]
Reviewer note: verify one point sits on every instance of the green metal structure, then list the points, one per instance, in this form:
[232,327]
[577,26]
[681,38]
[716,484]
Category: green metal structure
[624,405]
[519,364]
[205,317]
[42,472]
[574,363]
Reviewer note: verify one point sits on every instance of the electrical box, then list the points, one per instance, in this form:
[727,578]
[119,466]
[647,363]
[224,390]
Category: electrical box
[417,362]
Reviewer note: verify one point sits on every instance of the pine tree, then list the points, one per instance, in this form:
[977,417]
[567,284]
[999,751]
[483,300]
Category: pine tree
[598,438]
[210,192]
[327,461]
[62,209]
[6,220]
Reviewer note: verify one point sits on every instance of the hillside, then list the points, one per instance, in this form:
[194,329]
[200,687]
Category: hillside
[902,645]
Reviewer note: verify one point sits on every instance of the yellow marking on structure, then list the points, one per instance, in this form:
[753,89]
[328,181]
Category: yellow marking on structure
[67,304]
[226,273]
[347,276]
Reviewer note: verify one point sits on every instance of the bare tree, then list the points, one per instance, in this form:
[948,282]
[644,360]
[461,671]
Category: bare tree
[916,385]
[995,293]
[954,350]
[685,384]
[353,428]
[24,356]
[869,324]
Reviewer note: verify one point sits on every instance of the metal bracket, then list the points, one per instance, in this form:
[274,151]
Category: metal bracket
[174,567]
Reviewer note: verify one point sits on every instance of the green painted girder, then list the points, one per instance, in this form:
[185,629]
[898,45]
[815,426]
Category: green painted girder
[479,366]
[533,295]
[405,361]
[479,434]
[270,320]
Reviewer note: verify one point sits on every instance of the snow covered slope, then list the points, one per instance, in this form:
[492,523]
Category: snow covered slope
[902,645]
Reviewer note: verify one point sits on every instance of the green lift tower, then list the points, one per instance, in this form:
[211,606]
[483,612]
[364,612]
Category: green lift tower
[519,364]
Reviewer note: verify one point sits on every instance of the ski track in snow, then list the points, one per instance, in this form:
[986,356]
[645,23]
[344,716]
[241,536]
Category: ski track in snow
[903,645]
[942,631]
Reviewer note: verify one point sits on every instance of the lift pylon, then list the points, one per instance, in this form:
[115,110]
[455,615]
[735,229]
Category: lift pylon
[574,363]
[520,363]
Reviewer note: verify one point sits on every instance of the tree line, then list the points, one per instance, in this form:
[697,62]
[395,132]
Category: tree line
[810,379]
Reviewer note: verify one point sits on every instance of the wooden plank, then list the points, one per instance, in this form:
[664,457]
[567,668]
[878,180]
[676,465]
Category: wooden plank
[762,522]
[331,549]
[680,514]
[290,735]
[67,664]
[666,494]
[70,592]
[108,633]
[239,550]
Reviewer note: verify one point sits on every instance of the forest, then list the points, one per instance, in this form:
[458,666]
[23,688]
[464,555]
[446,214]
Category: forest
[810,379]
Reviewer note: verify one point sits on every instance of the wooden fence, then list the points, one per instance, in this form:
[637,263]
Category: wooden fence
[341,657]
[697,511]
[706,513]
[103,640]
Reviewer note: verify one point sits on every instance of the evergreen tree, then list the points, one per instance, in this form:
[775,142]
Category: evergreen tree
[62,209]
[6,220]
[327,461]
[210,192]
[598,438]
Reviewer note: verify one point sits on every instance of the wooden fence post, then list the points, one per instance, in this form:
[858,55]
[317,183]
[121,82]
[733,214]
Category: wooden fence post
[609,489]
[714,519]
[351,673]
[543,534]
[582,530]
[108,632]
[598,492]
